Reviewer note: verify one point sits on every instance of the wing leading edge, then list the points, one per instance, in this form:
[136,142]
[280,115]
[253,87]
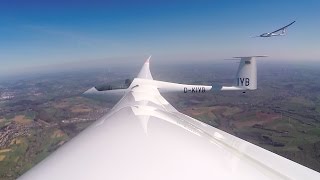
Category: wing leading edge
[144,137]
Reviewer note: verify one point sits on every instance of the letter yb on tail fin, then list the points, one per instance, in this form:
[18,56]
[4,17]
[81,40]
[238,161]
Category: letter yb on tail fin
[247,72]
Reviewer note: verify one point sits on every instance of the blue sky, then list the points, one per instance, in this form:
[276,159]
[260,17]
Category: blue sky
[44,33]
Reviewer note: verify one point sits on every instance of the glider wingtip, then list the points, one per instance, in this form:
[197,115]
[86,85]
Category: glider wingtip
[148,60]
[293,22]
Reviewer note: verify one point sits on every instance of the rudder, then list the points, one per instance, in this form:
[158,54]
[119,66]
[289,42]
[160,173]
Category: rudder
[247,72]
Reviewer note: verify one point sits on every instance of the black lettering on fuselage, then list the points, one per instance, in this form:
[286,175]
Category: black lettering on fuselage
[194,89]
[198,89]
[203,90]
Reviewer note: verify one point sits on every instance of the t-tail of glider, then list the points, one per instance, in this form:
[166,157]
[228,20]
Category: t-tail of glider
[246,77]
[247,73]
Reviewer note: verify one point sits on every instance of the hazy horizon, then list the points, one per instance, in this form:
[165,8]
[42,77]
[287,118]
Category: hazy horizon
[134,64]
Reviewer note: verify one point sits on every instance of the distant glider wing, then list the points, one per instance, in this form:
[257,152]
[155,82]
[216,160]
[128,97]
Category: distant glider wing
[283,28]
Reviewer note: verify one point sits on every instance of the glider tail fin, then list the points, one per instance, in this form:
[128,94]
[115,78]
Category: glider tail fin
[247,73]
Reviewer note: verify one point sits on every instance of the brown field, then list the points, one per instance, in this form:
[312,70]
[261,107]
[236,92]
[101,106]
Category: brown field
[2,157]
[260,118]
[80,109]
[21,119]
[57,134]
[4,150]
[61,105]
[16,141]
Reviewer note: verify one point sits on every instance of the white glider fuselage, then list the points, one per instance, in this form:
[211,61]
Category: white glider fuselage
[271,34]
[144,137]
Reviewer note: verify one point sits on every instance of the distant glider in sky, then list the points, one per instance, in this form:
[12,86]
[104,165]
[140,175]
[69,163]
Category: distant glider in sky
[279,32]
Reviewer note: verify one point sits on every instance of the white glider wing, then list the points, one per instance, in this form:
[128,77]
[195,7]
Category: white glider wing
[143,137]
